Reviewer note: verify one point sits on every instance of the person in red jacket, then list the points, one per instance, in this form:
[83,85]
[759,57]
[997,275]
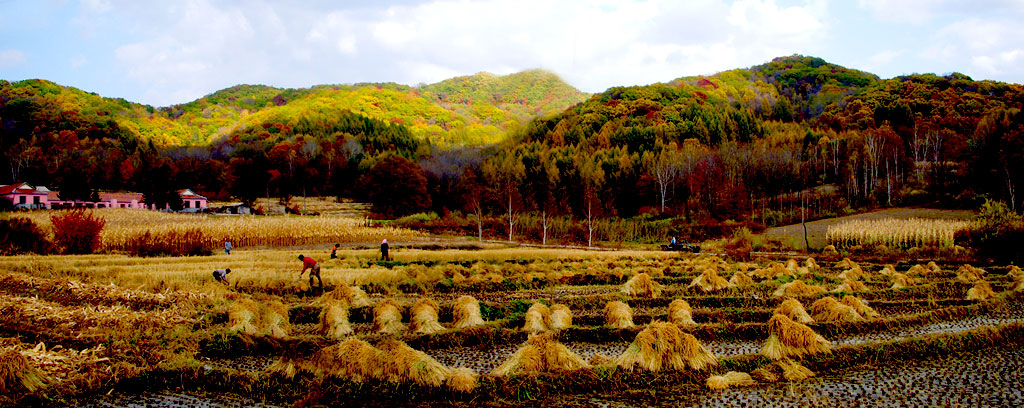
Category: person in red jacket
[314,270]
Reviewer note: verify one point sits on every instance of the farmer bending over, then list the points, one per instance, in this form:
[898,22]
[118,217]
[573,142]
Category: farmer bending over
[334,251]
[314,270]
[221,275]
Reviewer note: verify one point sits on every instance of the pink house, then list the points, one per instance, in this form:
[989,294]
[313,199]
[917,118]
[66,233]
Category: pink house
[191,201]
[24,195]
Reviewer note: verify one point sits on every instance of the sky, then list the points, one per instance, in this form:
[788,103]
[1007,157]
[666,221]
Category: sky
[175,51]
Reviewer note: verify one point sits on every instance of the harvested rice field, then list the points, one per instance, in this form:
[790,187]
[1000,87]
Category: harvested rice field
[501,326]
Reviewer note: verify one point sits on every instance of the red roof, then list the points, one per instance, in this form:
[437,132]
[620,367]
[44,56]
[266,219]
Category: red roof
[8,189]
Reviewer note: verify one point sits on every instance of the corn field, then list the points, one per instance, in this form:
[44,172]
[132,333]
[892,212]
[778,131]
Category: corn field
[243,231]
[893,232]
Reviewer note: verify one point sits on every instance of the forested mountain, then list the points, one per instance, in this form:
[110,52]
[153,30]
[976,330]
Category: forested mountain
[739,144]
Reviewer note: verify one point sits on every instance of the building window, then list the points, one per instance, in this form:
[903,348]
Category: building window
[35,200]
[21,199]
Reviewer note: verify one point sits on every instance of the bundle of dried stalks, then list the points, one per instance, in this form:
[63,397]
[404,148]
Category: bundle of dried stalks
[860,306]
[775,270]
[599,359]
[243,316]
[934,267]
[769,373]
[334,319]
[541,353]
[353,295]
[855,273]
[810,264]
[1018,285]
[793,371]
[793,309]
[846,263]
[829,249]
[404,364]
[561,317]
[969,274]
[917,270]
[466,312]
[274,319]
[730,379]
[462,379]
[1015,273]
[618,315]
[680,314]
[850,286]
[423,317]
[798,288]
[740,279]
[537,318]
[387,317]
[663,346]
[17,376]
[792,265]
[353,360]
[981,291]
[641,284]
[828,309]
[787,338]
[709,281]
[887,270]
[900,281]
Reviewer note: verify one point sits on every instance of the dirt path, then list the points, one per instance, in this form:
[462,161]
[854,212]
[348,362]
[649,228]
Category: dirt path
[793,234]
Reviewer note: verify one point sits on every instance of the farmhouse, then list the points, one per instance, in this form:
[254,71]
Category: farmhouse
[24,195]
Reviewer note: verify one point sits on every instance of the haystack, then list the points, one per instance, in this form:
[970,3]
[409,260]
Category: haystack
[541,353]
[787,338]
[561,317]
[860,306]
[680,314]
[663,346]
[274,319]
[850,286]
[355,296]
[969,274]
[887,270]
[829,249]
[334,319]
[792,265]
[462,379]
[423,317]
[775,270]
[1018,285]
[641,284]
[740,279]
[793,309]
[828,309]
[917,270]
[387,317]
[618,315]
[466,312]
[981,291]
[1014,273]
[243,316]
[709,281]
[810,264]
[730,379]
[855,273]
[900,281]
[537,319]
[934,267]
[599,359]
[17,375]
[793,371]
[353,360]
[798,288]
[404,364]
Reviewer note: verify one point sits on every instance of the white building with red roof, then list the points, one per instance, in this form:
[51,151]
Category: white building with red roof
[24,195]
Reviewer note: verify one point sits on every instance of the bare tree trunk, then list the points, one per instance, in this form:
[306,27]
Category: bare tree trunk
[544,223]
[590,223]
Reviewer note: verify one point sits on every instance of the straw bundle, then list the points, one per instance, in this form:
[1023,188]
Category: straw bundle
[353,295]
[1014,273]
[828,309]
[334,319]
[680,314]
[709,281]
[537,319]
[798,288]
[466,312]
[981,291]
[787,338]
[810,264]
[1018,285]
[917,270]
[769,373]
[792,265]
[846,263]
[793,309]
[243,316]
[561,317]
[740,279]
[969,274]
[274,317]
[541,353]
[793,371]
[462,379]
[17,375]
[900,281]
[423,317]
[404,364]
[618,315]
[387,317]
[860,306]
[601,360]
[855,273]
[934,267]
[774,271]
[887,270]
[641,284]
[851,286]
[730,379]
[663,346]
[353,360]
[829,249]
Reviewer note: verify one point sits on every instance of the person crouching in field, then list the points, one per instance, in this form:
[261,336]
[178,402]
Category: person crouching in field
[221,275]
[334,251]
[314,270]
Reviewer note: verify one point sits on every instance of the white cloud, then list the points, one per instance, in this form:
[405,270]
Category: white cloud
[991,47]
[79,61]
[12,58]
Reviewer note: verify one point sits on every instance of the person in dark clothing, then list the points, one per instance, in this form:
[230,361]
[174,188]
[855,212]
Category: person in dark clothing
[221,275]
[384,250]
[314,270]
[334,251]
